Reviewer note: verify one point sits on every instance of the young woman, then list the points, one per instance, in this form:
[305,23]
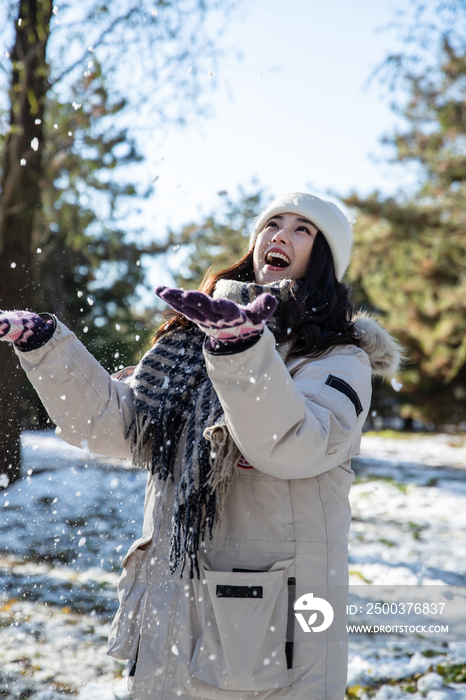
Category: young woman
[246,413]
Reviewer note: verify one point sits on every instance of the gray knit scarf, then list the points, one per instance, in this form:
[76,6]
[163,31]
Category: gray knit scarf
[173,393]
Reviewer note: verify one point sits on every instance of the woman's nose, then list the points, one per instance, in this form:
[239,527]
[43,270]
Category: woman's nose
[281,235]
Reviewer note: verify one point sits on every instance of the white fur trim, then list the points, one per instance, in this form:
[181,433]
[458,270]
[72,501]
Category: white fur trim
[385,353]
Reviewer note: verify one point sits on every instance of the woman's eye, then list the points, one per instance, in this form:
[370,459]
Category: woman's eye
[303,228]
[271,223]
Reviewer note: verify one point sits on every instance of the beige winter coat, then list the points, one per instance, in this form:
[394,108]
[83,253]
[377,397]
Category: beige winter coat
[231,635]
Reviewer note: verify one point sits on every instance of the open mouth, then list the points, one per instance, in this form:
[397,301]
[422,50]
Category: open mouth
[277,259]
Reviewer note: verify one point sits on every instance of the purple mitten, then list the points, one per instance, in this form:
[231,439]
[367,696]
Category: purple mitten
[220,318]
[25,329]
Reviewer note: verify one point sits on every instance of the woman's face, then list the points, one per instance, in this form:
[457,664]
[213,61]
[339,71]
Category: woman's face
[283,248]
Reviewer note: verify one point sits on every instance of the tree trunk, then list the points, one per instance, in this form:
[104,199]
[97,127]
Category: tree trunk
[19,200]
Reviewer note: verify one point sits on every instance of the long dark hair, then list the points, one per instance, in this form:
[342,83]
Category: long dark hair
[318,315]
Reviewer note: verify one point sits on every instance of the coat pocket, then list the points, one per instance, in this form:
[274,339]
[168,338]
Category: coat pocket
[243,642]
[124,632]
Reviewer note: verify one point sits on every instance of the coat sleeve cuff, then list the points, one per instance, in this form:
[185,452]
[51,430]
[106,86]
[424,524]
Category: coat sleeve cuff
[41,335]
[214,347]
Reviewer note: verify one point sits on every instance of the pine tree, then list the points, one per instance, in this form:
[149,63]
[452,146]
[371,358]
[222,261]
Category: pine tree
[86,267]
[410,250]
[44,202]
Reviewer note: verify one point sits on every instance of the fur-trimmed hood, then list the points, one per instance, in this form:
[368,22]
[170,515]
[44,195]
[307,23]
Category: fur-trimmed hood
[385,353]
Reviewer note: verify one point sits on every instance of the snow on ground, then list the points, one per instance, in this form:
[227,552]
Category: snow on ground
[409,527]
[436,450]
[65,527]
[409,516]
[64,530]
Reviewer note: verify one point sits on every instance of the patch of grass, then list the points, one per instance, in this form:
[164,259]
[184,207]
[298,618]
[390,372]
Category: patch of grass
[73,621]
[119,670]
[457,442]
[401,486]
[416,530]
[354,692]
[452,673]
[387,543]
[76,522]
[429,653]
[359,574]
[7,623]
[408,685]
[8,605]
[65,688]
[397,434]
[45,500]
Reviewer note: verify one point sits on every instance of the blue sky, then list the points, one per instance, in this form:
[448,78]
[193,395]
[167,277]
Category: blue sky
[296,112]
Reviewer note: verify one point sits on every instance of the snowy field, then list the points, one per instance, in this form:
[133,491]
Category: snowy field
[65,527]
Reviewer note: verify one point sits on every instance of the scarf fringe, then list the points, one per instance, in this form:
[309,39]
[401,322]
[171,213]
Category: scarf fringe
[150,447]
[224,456]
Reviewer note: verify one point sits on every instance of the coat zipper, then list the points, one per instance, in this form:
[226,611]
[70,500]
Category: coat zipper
[289,644]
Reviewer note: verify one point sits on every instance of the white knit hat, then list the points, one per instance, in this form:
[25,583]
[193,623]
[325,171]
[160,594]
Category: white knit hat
[324,214]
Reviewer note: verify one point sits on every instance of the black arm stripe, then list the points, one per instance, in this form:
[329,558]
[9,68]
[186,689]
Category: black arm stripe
[346,389]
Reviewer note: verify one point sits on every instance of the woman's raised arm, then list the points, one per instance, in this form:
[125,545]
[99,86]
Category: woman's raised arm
[78,393]
[293,428]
